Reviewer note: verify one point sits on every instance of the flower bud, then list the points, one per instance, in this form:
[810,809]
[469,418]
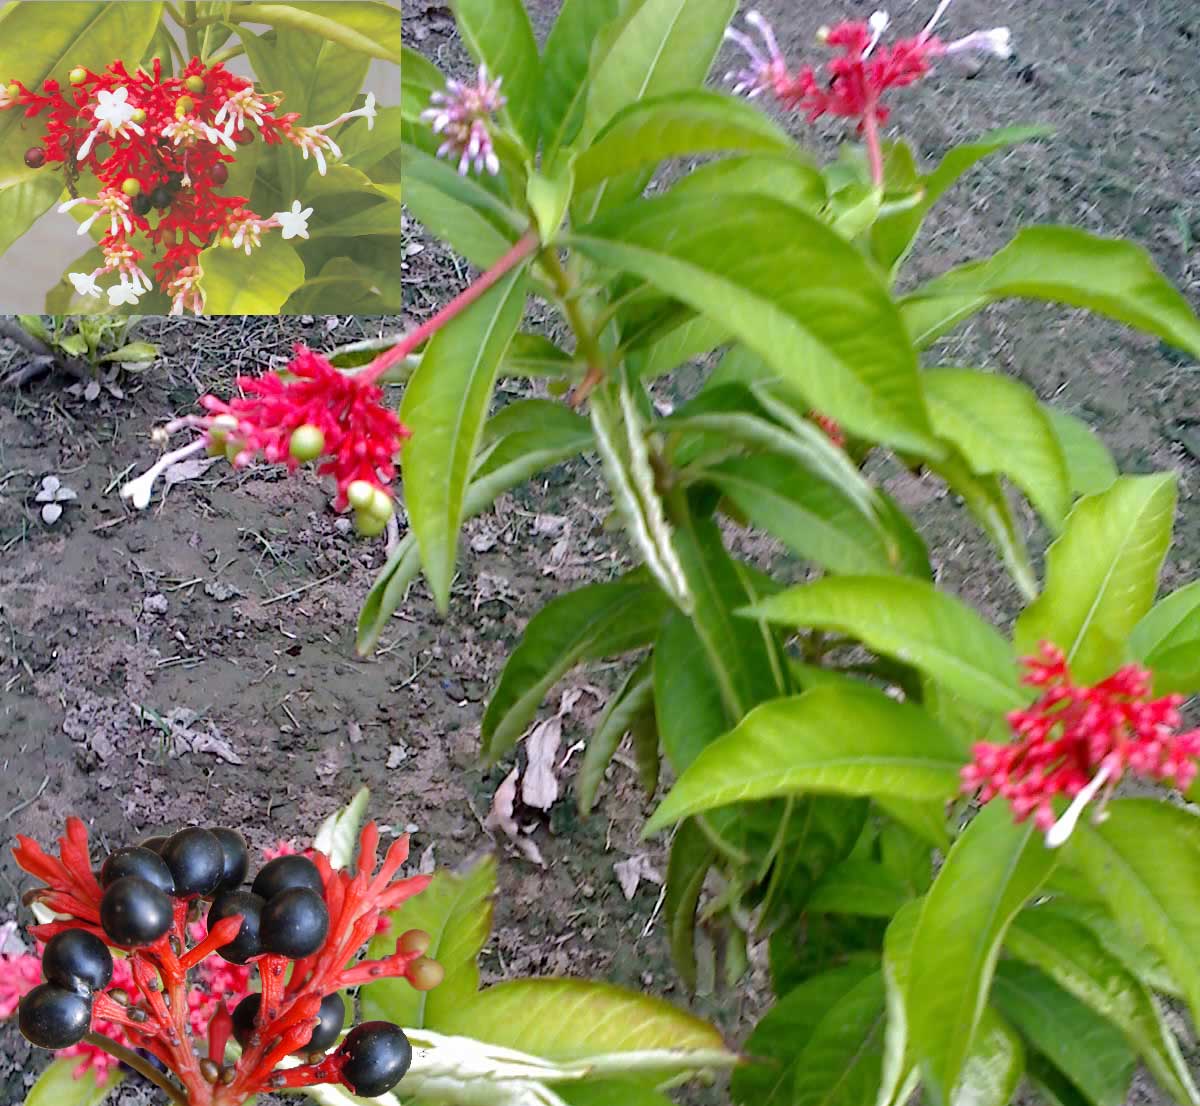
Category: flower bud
[307,442]
[13,90]
[77,75]
[194,83]
[131,187]
[139,115]
[183,105]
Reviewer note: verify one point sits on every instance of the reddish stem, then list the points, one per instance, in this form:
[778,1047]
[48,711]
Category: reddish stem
[521,249]
[874,150]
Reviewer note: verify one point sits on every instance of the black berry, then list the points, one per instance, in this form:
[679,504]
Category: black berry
[332,1016]
[155,844]
[284,873]
[196,860]
[218,174]
[174,182]
[137,860]
[53,1017]
[377,1054]
[35,157]
[244,1014]
[77,960]
[236,857]
[294,923]
[134,912]
[247,943]
[161,197]
[141,206]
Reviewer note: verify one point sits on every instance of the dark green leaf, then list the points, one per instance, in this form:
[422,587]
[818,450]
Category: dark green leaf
[419,80]
[792,179]
[859,887]
[627,704]
[692,854]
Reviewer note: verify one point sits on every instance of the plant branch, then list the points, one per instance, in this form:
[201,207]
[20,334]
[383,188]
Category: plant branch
[175,14]
[46,356]
[874,151]
[190,15]
[587,343]
[230,52]
[139,1064]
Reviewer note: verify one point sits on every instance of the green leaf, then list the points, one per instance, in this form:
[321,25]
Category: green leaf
[548,197]
[858,887]
[1167,640]
[1082,1044]
[380,218]
[565,72]
[850,741]
[1090,467]
[528,427]
[679,124]
[234,284]
[898,1064]
[23,203]
[419,80]
[811,516]
[912,621]
[842,1062]
[499,35]
[338,836]
[632,700]
[446,402]
[998,425]
[57,1086]
[692,854]
[1101,575]
[893,235]
[133,351]
[693,338]
[369,28]
[778,1042]
[456,911]
[790,289]
[1109,276]
[562,1020]
[1145,860]
[992,1070]
[387,593]
[990,873]
[607,1091]
[593,622]
[1071,954]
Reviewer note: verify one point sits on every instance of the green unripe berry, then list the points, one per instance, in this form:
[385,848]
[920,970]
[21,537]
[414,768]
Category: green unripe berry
[232,449]
[307,442]
[225,242]
[369,525]
[194,84]
[183,105]
[138,116]
[558,387]
[360,493]
[13,90]
[381,504]
[131,187]
[77,75]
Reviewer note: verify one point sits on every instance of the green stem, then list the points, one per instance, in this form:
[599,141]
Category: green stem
[587,340]
[190,15]
[139,1064]
[173,46]
[230,52]
[175,14]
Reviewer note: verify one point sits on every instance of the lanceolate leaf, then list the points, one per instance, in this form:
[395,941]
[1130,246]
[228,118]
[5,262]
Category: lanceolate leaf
[689,122]
[456,911]
[843,740]
[446,403]
[993,1068]
[498,34]
[234,284]
[1145,860]
[999,427]
[628,703]
[570,1019]
[57,1086]
[1064,265]
[1085,1046]
[792,179]
[858,887]
[898,1064]
[1168,640]
[1073,956]
[842,1062]
[595,621]
[692,854]
[419,80]
[1101,575]
[528,427]
[1090,467]
[913,621]
[791,290]
[990,873]
[605,1092]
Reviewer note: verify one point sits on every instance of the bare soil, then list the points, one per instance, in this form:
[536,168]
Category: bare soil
[235,599]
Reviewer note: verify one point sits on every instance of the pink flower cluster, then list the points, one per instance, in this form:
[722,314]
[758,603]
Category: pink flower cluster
[1076,739]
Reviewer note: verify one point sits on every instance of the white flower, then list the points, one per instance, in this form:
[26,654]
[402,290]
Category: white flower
[85,283]
[124,292]
[997,41]
[114,108]
[294,223]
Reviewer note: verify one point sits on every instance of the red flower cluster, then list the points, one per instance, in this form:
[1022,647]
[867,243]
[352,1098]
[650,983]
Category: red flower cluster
[149,1005]
[1076,739]
[163,144]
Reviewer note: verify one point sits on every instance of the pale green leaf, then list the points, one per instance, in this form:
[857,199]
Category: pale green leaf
[57,1086]
[339,833]
[1090,467]
[992,1070]
[234,284]
[1167,640]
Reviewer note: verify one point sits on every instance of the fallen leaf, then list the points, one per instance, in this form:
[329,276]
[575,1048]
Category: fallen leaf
[217,746]
[220,591]
[92,392]
[539,787]
[501,817]
[397,754]
[427,863]
[187,470]
[632,871]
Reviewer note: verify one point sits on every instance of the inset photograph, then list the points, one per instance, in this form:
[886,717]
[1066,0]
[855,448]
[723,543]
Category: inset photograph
[200,158]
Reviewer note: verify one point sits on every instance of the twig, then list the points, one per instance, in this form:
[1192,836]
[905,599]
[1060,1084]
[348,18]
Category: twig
[28,802]
[303,588]
[47,356]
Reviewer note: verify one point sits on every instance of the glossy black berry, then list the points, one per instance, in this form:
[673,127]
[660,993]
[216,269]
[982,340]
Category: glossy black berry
[51,1016]
[377,1054]
[161,197]
[294,923]
[236,857]
[174,182]
[196,860]
[155,844]
[134,912]
[77,960]
[137,860]
[141,206]
[218,174]
[284,873]
[35,157]
[244,1014]
[246,944]
[332,1017]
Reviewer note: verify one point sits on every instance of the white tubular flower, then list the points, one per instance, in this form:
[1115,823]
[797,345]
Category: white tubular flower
[878,23]
[242,105]
[114,117]
[461,114]
[313,140]
[367,112]
[185,292]
[124,292]
[138,491]
[293,223]
[85,283]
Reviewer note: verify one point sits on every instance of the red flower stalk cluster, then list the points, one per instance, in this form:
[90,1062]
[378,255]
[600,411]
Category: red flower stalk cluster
[163,144]
[1076,739]
[301,928]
